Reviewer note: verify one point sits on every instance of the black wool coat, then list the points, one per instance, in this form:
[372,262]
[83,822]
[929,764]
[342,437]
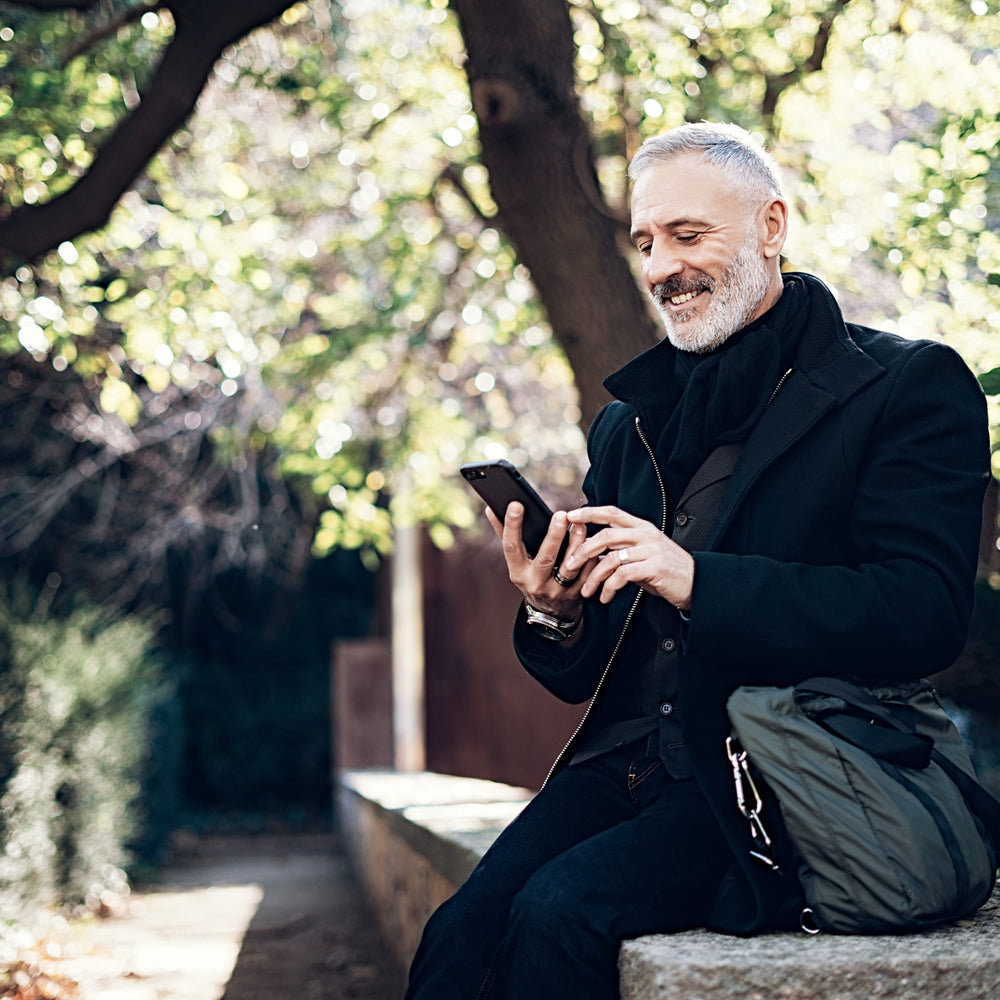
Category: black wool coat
[846,544]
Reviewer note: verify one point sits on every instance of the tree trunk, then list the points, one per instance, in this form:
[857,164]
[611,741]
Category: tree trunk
[537,150]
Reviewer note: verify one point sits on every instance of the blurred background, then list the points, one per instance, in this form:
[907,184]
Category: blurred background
[270,272]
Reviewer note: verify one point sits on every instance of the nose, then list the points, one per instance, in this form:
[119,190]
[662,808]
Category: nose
[661,262]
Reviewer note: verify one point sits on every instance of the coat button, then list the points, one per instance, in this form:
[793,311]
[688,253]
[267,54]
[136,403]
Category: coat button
[666,708]
[668,645]
[681,519]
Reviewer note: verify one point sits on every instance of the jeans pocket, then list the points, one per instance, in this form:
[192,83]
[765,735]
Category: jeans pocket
[639,772]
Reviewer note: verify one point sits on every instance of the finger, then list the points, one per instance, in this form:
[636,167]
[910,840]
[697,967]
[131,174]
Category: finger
[513,545]
[577,536]
[605,587]
[605,567]
[495,523]
[613,516]
[573,567]
[548,551]
[591,548]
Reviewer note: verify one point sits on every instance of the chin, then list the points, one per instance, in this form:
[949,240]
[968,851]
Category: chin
[686,336]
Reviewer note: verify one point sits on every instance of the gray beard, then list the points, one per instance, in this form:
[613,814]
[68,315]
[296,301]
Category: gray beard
[736,296]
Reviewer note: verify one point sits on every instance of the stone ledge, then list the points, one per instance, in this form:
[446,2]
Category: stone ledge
[414,838]
[960,962]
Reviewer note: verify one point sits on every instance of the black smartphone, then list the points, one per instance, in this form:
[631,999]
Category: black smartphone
[498,483]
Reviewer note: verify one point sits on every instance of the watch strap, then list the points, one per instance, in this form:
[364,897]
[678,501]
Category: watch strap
[549,625]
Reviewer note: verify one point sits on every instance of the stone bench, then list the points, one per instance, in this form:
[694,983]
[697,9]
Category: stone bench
[414,838]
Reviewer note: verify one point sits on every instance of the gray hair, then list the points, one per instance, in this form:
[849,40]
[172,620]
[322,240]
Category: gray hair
[729,147]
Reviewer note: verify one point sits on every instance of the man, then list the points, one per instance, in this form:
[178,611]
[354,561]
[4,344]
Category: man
[837,535]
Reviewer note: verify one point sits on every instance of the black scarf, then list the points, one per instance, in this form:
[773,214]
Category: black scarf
[723,394]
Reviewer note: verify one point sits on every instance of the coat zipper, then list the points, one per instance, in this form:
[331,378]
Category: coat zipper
[558,762]
[777,388]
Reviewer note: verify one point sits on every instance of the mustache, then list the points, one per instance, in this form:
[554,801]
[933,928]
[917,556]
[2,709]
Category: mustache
[679,285]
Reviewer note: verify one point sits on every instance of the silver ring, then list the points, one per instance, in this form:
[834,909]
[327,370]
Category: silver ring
[624,555]
[561,580]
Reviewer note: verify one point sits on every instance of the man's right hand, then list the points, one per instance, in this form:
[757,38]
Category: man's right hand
[535,578]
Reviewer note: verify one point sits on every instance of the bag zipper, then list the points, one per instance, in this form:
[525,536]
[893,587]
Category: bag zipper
[665,497]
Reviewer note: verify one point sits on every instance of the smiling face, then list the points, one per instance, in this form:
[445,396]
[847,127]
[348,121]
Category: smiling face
[710,259]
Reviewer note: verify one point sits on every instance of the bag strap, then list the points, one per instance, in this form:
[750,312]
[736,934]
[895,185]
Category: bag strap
[980,801]
[719,465]
[698,507]
[702,497]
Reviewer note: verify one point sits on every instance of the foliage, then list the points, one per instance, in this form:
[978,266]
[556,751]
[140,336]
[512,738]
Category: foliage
[319,242]
[326,271]
[894,195]
[256,696]
[78,696]
[144,513]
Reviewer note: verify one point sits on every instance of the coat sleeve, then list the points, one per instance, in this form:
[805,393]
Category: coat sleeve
[902,608]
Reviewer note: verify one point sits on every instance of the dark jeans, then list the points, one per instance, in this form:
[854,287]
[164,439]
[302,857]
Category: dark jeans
[611,849]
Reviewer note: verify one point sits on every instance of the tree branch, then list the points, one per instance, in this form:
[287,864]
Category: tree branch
[54,4]
[102,32]
[202,34]
[451,174]
[775,85]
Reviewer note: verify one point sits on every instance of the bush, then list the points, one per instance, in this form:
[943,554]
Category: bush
[77,693]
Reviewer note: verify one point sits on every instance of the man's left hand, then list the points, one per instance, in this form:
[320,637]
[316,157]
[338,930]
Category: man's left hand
[631,550]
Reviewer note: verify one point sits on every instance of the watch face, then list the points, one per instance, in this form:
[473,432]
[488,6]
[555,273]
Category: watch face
[548,631]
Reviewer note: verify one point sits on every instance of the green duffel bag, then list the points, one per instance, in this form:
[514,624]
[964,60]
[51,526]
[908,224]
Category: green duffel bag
[890,829]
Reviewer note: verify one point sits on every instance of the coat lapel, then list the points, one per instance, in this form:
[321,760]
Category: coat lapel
[803,401]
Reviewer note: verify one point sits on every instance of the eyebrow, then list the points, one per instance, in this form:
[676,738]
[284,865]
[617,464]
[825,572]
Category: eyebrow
[672,226]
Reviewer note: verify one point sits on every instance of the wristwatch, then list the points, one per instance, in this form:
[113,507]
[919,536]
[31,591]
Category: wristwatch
[549,626]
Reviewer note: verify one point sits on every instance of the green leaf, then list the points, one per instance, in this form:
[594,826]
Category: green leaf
[990,381]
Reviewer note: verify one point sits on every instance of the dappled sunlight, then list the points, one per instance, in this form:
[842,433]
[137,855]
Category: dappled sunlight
[178,944]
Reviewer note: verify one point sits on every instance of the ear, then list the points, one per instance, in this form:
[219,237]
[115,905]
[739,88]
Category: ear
[773,221]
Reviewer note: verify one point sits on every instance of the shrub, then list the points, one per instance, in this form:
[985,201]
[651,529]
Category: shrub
[77,693]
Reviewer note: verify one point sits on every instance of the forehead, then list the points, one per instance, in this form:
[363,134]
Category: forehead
[685,188]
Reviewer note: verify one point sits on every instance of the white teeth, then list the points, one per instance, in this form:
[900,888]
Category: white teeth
[678,300]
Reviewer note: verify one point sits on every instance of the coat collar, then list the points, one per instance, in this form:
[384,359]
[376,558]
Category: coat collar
[827,355]
[830,368]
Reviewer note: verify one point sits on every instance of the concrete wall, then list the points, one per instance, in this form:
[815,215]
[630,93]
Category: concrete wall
[415,838]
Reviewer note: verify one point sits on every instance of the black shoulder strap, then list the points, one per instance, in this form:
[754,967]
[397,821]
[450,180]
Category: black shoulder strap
[980,801]
[697,508]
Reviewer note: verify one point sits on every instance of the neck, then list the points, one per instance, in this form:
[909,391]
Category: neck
[770,300]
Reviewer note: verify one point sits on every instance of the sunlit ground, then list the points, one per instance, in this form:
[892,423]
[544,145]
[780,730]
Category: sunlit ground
[184,946]
[170,945]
